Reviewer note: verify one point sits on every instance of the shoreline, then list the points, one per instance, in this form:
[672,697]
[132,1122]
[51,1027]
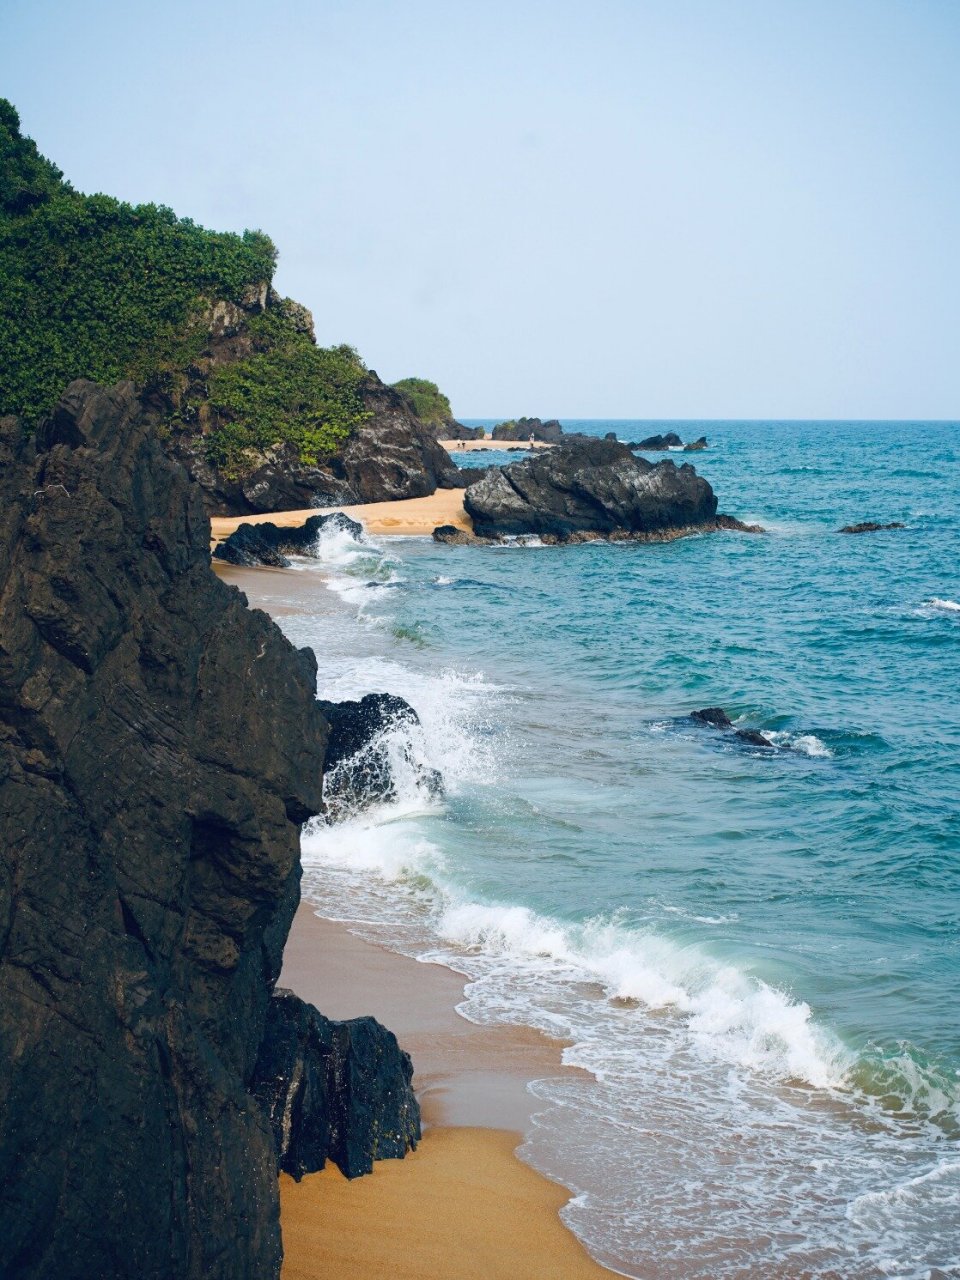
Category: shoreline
[503,446]
[404,517]
[463,1204]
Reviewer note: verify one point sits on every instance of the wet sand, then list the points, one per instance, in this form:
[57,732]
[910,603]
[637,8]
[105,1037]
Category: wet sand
[462,1205]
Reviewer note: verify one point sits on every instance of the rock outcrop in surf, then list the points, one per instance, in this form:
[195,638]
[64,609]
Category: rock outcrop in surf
[595,487]
[871,526]
[373,750]
[269,544]
[717,718]
[160,745]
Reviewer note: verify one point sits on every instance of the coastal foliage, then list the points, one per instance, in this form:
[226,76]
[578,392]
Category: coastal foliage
[428,400]
[92,287]
[288,390]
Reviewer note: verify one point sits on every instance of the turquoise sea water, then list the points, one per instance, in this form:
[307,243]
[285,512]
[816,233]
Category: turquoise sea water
[755,953]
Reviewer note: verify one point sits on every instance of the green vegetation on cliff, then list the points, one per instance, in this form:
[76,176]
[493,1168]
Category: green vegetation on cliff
[95,288]
[428,400]
[288,390]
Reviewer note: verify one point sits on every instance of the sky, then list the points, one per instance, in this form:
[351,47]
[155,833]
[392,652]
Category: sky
[621,208]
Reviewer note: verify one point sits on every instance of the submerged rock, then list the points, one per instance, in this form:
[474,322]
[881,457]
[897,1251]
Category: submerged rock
[269,544]
[590,486]
[373,749]
[333,1090]
[717,718]
[870,526]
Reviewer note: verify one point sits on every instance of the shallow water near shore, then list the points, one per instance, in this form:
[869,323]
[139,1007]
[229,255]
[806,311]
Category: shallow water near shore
[755,952]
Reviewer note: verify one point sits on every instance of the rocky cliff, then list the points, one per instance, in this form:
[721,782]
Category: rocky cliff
[386,454]
[160,745]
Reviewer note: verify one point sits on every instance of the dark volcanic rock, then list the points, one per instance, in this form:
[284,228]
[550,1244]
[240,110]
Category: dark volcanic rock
[870,526]
[394,455]
[550,432]
[337,1090]
[454,537]
[655,443]
[696,445]
[160,745]
[717,718]
[370,742]
[270,544]
[590,485]
[450,429]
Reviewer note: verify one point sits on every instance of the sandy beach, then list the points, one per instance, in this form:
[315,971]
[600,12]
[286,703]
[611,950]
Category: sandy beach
[409,517]
[462,1205]
[463,446]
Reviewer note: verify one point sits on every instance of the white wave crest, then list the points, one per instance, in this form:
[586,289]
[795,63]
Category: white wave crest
[807,744]
[945,606]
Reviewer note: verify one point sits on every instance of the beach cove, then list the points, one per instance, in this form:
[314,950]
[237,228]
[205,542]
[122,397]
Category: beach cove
[670,991]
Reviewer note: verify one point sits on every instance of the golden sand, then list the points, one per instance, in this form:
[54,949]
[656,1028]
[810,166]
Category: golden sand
[460,1207]
[407,517]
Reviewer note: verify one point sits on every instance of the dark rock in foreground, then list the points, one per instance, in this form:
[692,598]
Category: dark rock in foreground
[337,1090]
[870,526]
[592,486]
[717,718]
[160,745]
[454,537]
[370,741]
[251,545]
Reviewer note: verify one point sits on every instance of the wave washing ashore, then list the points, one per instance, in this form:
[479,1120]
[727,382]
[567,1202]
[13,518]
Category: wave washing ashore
[753,954]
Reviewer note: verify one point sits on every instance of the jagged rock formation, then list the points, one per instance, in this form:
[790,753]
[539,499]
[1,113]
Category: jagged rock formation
[371,743]
[522,429]
[695,446]
[337,1090]
[590,486]
[160,745]
[270,544]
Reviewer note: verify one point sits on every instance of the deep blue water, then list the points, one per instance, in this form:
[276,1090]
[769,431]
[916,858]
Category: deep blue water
[756,952]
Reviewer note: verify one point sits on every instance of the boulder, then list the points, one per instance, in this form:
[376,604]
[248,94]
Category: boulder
[374,748]
[870,526]
[333,1090]
[590,485]
[269,544]
[696,445]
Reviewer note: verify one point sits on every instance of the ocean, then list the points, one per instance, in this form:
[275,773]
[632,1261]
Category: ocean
[754,953]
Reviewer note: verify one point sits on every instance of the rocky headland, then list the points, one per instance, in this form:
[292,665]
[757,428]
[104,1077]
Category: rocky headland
[160,747]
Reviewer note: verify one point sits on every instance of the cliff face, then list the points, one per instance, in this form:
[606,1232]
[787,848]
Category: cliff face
[390,454]
[160,744]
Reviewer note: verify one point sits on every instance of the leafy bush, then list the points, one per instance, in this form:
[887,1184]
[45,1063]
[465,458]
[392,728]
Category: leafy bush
[289,390]
[92,287]
[428,400]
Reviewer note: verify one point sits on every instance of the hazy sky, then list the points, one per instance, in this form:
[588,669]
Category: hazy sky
[626,208]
